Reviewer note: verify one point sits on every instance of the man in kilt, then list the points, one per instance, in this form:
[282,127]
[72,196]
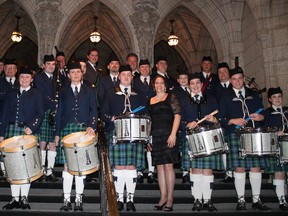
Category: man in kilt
[124,157]
[277,116]
[201,175]
[46,83]
[236,105]
[23,113]
[77,111]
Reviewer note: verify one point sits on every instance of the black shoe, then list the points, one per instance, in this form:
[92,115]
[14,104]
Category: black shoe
[227,179]
[51,178]
[197,205]
[13,204]
[241,206]
[283,206]
[42,179]
[78,204]
[66,206]
[185,178]
[25,203]
[120,205]
[209,206]
[140,179]
[158,207]
[260,206]
[130,206]
[151,178]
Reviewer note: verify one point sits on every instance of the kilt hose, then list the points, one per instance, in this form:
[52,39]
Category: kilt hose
[234,159]
[69,128]
[46,130]
[213,161]
[125,154]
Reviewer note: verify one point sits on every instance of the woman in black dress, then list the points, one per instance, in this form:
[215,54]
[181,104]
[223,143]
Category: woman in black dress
[165,115]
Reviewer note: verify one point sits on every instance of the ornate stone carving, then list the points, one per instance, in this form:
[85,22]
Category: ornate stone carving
[48,18]
[144,19]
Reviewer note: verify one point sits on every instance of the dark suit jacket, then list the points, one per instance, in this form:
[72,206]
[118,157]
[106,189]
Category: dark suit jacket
[29,108]
[5,87]
[80,109]
[274,119]
[104,85]
[92,76]
[210,89]
[145,92]
[220,91]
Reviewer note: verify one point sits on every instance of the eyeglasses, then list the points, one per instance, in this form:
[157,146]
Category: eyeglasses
[11,68]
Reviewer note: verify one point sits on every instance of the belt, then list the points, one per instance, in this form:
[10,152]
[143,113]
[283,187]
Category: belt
[18,124]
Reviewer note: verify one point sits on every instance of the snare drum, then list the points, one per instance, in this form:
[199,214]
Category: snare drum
[283,154]
[131,128]
[21,159]
[81,153]
[258,142]
[205,141]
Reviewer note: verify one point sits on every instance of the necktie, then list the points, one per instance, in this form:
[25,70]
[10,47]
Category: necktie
[166,76]
[76,91]
[186,89]
[145,81]
[279,110]
[240,95]
[115,81]
[51,78]
[95,67]
[23,92]
[126,91]
[10,81]
[197,99]
[225,86]
[207,76]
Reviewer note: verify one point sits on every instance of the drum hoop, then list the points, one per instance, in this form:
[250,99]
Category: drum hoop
[203,129]
[17,182]
[86,172]
[17,149]
[133,116]
[80,144]
[250,130]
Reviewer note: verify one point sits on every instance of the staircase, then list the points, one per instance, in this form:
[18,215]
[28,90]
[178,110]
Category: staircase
[46,199]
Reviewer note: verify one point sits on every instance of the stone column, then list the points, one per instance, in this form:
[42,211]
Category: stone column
[144,19]
[48,18]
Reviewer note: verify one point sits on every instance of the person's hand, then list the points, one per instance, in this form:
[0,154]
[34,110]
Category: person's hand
[171,141]
[1,138]
[280,133]
[149,147]
[238,121]
[192,125]
[209,118]
[90,131]
[56,139]
[256,117]
[28,131]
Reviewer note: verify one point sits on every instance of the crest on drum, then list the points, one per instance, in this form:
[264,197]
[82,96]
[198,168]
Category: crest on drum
[35,161]
[126,128]
[88,161]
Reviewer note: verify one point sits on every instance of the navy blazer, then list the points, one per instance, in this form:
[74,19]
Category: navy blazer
[230,109]
[47,89]
[220,91]
[78,110]
[274,119]
[210,89]
[92,76]
[104,85]
[145,92]
[29,109]
[114,105]
[5,87]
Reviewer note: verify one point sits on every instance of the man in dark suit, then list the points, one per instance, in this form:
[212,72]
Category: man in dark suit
[161,67]
[210,80]
[143,85]
[46,83]
[110,81]
[92,75]
[132,60]
[62,68]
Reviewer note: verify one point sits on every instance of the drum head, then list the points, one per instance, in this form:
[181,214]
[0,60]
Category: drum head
[79,138]
[132,115]
[18,143]
[204,128]
[257,130]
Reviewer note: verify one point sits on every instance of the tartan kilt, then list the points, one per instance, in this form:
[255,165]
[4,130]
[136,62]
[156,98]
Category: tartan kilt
[46,130]
[233,157]
[125,154]
[272,165]
[69,128]
[185,159]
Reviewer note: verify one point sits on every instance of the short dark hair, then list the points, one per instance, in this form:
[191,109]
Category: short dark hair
[132,55]
[92,50]
[165,83]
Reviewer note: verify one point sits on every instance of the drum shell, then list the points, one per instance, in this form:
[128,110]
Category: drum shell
[205,141]
[22,163]
[283,145]
[131,128]
[81,157]
[258,142]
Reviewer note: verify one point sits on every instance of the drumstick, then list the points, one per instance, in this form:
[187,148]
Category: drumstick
[249,118]
[138,109]
[203,119]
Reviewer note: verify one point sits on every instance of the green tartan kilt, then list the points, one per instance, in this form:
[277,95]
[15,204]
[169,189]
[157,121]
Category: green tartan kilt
[46,130]
[125,154]
[185,159]
[70,128]
[273,166]
[233,157]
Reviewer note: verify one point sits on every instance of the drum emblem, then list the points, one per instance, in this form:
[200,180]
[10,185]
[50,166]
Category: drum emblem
[35,161]
[88,161]
[126,129]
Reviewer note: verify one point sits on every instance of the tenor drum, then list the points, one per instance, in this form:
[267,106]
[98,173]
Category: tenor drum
[258,142]
[21,159]
[81,153]
[132,128]
[205,141]
[283,153]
